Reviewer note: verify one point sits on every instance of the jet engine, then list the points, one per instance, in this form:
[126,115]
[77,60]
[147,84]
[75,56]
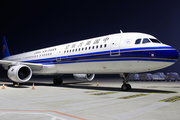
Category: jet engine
[84,77]
[20,73]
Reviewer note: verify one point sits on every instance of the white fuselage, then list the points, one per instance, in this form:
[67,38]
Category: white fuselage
[116,53]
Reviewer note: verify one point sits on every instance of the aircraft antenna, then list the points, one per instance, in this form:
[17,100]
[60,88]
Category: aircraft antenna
[121,31]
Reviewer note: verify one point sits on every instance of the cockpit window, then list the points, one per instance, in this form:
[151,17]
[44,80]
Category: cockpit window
[154,40]
[146,40]
[138,41]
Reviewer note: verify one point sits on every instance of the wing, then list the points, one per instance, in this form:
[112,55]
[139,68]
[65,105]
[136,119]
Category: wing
[33,66]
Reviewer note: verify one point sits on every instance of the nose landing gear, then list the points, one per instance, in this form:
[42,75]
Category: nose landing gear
[125,86]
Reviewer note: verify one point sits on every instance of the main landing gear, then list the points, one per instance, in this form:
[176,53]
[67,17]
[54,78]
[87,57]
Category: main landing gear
[58,81]
[125,86]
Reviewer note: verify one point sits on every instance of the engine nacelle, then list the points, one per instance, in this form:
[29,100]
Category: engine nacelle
[84,77]
[20,73]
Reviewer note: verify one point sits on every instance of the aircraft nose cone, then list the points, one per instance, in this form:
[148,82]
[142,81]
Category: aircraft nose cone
[174,54]
[171,54]
[177,55]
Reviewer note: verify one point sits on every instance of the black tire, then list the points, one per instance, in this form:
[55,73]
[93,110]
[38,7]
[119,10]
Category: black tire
[124,87]
[57,81]
[128,86]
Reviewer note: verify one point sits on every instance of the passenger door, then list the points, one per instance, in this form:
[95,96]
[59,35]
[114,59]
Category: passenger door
[115,46]
[58,55]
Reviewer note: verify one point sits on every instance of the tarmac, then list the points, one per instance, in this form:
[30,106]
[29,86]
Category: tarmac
[76,100]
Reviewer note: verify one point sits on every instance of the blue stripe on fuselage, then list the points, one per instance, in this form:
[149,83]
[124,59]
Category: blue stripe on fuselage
[141,54]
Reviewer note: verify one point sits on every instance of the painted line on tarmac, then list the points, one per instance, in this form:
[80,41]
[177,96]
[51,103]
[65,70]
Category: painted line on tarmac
[44,111]
[133,96]
[104,93]
[171,99]
[91,91]
[53,117]
[165,93]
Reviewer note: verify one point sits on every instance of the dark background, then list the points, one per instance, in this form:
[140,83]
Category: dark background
[34,24]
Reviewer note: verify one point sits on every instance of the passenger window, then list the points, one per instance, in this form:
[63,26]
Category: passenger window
[82,49]
[97,47]
[86,48]
[100,46]
[89,48]
[146,40]
[93,47]
[79,49]
[105,45]
[138,41]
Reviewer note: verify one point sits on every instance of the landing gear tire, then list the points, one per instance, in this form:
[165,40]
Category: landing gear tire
[57,81]
[126,87]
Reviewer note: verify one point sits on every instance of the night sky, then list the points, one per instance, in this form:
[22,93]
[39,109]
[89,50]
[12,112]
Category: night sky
[30,25]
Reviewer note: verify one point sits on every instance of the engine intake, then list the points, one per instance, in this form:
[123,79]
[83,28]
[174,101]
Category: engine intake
[84,77]
[20,73]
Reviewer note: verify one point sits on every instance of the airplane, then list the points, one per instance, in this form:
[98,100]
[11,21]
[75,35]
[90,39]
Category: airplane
[120,53]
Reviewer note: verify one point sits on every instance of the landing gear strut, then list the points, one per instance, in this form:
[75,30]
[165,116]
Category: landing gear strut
[125,86]
[58,81]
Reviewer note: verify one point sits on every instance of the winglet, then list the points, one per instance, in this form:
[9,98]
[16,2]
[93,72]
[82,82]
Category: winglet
[5,48]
